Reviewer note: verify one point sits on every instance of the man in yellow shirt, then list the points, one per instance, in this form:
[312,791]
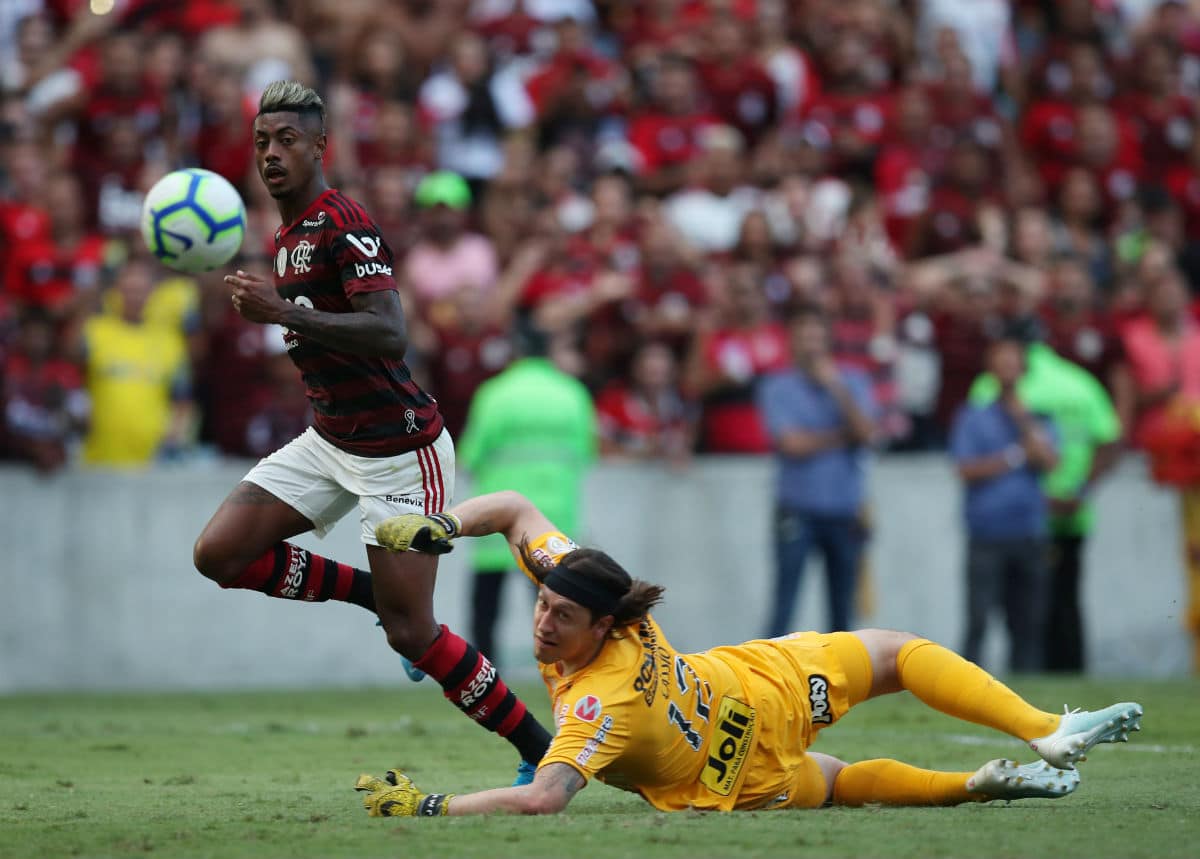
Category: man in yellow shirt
[138,377]
[727,729]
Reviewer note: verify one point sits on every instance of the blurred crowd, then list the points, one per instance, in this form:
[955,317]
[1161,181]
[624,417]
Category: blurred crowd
[656,184]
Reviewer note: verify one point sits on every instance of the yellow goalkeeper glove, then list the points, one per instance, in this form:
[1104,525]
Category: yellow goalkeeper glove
[399,797]
[413,532]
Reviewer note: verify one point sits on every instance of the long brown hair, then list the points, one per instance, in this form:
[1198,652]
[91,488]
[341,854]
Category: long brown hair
[599,568]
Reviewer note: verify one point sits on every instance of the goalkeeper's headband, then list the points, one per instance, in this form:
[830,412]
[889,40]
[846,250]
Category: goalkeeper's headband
[599,599]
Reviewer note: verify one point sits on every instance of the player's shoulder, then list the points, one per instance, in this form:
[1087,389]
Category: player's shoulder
[549,547]
[346,213]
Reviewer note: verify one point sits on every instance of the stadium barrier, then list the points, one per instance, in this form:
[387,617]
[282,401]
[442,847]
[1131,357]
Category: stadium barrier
[100,592]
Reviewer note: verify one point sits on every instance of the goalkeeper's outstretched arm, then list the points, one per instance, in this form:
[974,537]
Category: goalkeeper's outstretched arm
[553,787]
[508,513]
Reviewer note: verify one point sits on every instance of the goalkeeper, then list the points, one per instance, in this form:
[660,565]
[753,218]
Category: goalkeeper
[730,728]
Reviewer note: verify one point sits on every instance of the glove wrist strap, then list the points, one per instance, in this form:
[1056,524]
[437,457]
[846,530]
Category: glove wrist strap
[449,521]
[434,805]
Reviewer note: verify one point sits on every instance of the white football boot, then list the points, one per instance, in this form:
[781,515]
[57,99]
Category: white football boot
[1079,730]
[1005,779]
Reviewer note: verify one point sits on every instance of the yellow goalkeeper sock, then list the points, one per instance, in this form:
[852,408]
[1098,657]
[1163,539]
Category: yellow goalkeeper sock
[947,682]
[893,783]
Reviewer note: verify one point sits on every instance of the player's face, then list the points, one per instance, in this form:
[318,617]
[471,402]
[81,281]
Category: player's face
[563,630]
[287,151]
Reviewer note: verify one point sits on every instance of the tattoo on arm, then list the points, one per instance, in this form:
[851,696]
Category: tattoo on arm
[479,529]
[563,779]
[251,494]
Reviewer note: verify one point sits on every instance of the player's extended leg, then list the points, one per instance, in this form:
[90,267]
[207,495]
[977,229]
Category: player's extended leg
[244,546]
[888,782]
[404,598]
[947,682]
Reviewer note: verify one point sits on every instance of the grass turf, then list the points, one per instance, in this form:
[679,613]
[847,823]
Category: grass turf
[270,775]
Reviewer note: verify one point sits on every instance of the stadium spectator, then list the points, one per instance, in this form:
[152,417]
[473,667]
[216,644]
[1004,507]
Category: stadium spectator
[138,379]
[709,210]
[736,343]
[647,417]
[1089,446]
[532,429]
[59,272]
[282,411]
[821,420]
[588,654]
[446,258]
[737,86]
[666,132]
[1078,326]
[46,407]
[577,94]
[471,108]
[471,343]
[1001,451]
[1157,392]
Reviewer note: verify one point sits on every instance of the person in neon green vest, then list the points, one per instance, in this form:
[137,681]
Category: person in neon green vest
[531,428]
[1090,444]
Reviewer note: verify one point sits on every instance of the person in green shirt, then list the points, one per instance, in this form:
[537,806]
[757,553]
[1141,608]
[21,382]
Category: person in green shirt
[531,428]
[1089,444]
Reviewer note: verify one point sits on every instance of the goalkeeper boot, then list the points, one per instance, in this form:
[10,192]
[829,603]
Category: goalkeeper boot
[1004,779]
[1079,730]
[525,773]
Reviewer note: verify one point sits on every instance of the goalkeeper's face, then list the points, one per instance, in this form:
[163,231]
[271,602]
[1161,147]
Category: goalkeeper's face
[563,630]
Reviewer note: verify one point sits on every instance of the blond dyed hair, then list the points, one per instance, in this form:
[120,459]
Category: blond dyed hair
[283,96]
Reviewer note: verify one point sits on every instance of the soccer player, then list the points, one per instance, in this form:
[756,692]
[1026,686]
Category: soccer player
[727,729]
[377,439]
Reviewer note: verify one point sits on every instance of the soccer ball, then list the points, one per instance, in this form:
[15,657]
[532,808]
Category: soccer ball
[193,220]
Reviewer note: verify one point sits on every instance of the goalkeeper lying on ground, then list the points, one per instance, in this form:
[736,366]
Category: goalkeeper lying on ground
[729,728]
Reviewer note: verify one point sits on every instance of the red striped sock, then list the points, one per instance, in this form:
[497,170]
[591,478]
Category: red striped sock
[289,572]
[470,682]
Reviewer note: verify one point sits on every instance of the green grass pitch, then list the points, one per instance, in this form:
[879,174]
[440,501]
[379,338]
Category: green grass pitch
[270,775]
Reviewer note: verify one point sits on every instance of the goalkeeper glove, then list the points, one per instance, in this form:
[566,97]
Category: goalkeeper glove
[416,533]
[399,797]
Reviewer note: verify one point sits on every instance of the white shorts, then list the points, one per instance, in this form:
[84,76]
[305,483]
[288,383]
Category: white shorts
[323,482]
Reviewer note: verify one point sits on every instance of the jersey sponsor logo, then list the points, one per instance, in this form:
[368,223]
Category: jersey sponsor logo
[557,545]
[818,699]
[302,256]
[585,754]
[297,561]
[371,268]
[588,708]
[410,500]
[318,222]
[602,732]
[480,684]
[729,746]
[368,246]
[281,261]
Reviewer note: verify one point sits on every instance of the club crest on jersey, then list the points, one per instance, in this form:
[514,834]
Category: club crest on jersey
[587,708]
[368,246]
[302,256]
[281,262]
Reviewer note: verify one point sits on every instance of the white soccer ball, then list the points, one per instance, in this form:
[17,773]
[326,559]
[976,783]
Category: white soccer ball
[193,220]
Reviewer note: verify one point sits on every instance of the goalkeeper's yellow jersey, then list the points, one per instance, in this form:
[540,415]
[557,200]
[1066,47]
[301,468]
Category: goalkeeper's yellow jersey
[720,730]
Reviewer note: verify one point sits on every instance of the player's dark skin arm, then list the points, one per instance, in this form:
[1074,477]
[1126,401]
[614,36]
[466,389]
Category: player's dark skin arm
[553,787]
[376,327]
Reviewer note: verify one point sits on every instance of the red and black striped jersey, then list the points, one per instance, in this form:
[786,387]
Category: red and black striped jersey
[364,404]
